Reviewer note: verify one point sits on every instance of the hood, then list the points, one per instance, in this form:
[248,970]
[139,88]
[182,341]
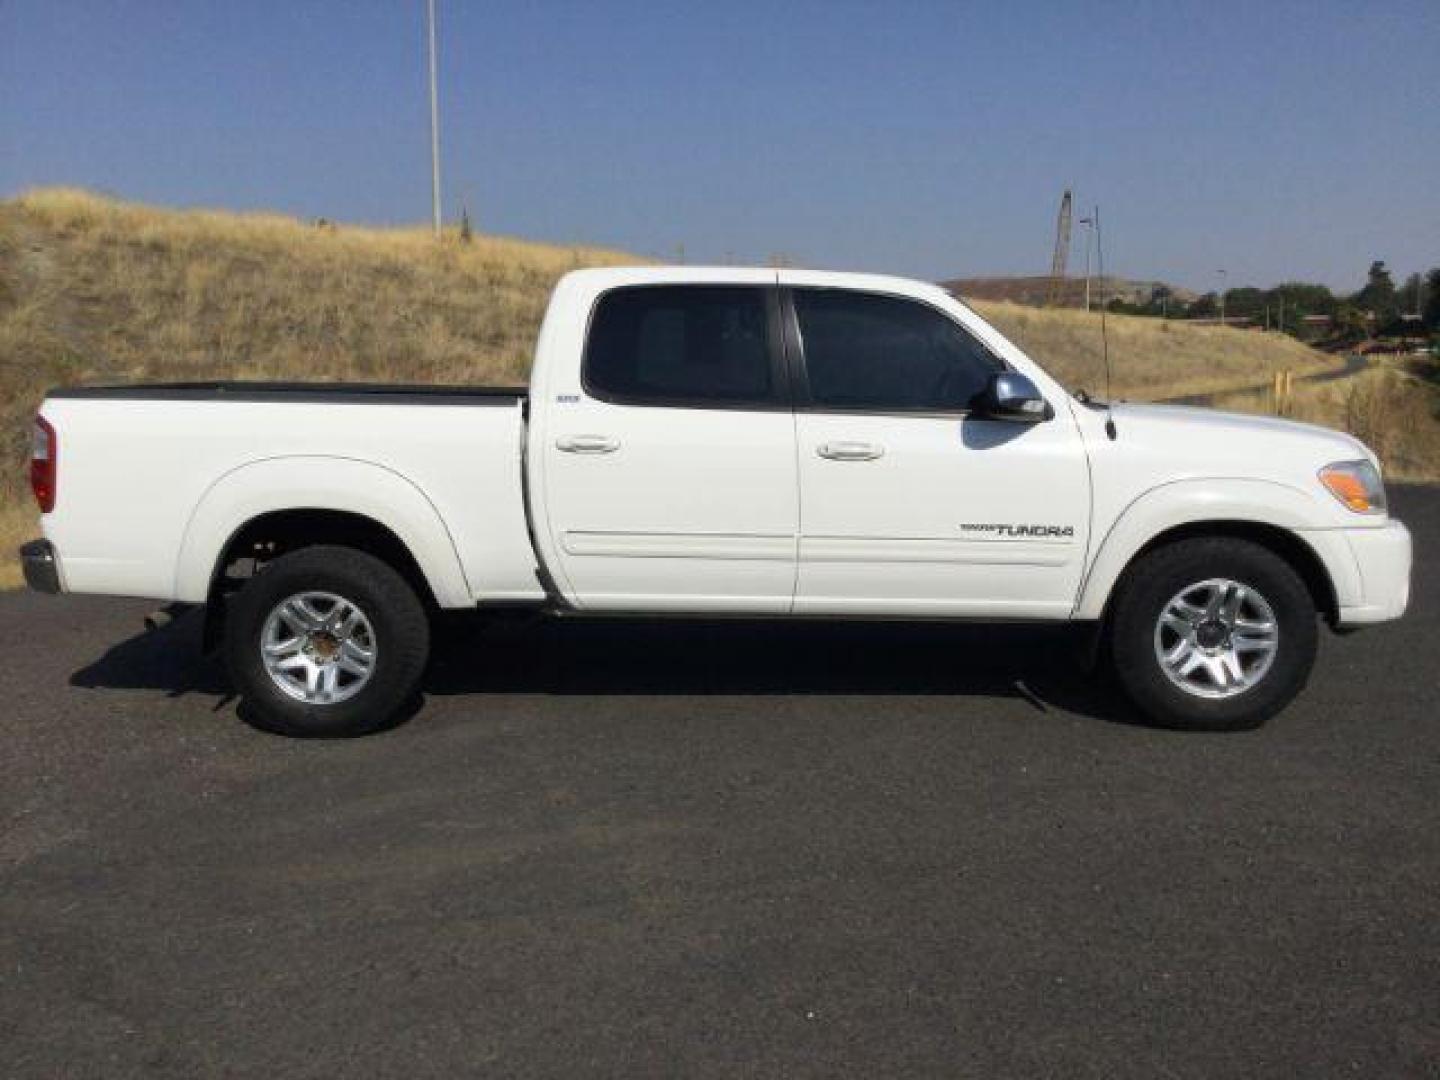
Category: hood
[1227,436]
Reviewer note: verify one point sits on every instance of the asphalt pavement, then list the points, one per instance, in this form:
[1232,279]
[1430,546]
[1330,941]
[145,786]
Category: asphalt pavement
[1354,364]
[619,849]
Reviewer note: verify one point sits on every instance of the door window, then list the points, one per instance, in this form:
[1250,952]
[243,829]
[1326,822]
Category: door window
[883,353]
[686,345]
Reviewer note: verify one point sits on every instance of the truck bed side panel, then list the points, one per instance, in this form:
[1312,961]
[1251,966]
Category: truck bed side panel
[137,469]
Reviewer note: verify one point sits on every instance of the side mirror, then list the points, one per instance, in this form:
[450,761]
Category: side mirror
[1008,395]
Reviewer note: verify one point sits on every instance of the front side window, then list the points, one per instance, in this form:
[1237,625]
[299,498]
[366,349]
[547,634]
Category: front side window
[877,352]
[680,344]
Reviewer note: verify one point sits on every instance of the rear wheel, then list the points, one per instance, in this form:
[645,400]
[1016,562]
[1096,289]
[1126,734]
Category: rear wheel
[326,641]
[1213,634]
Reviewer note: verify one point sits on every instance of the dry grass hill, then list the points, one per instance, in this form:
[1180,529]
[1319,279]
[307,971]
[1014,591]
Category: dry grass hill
[1150,359]
[96,289]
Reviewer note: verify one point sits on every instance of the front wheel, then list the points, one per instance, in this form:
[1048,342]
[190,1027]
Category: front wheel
[326,641]
[1213,634]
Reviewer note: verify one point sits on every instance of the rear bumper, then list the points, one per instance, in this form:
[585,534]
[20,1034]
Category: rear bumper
[1383,558]
[41,566]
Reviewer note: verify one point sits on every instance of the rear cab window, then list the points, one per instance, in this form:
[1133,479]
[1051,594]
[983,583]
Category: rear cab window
[695,346]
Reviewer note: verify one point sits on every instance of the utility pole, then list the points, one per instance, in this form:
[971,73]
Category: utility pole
[434,122]
[1089,222]
[1281,319]
[1222,295]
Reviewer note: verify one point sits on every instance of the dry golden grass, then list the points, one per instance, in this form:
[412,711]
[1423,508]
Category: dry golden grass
[1150,359]
[96,289]
[19,522]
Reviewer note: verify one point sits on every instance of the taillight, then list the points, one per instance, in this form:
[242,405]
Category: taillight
[44,455]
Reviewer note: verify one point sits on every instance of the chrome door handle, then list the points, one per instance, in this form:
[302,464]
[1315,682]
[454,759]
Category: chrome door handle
[850,451]
[587,444]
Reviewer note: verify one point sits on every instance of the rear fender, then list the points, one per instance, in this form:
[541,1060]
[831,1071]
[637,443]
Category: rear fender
[319,483]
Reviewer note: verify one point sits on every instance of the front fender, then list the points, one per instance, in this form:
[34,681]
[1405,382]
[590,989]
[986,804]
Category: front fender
[319,483]
[1188,502]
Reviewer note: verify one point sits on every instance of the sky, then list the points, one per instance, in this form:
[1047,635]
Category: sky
[1274,141]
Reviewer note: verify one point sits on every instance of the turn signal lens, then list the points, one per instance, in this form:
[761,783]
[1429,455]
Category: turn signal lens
[1356,484]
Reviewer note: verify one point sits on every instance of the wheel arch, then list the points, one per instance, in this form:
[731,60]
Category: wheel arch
[1277,517]
[297,501]
[279,532]
[1283,543]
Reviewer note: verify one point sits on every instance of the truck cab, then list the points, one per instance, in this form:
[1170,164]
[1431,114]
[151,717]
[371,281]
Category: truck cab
[736,444]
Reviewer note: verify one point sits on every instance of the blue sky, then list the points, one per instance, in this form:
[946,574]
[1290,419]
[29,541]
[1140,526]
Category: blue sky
[1275,140]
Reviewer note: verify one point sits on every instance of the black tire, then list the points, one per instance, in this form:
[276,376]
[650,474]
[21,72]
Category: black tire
[1159,575]
[401,631]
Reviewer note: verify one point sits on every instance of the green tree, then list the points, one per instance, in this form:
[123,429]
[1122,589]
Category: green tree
[1245,302]
[1432,299]
[1303,298]
[1378,295]
[1350,323]
[1409,294]
[1206,307]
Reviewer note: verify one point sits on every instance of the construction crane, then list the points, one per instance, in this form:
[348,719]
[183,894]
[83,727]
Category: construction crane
[1056,292]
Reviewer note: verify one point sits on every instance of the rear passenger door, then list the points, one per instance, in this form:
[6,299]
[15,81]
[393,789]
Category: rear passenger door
[670,479]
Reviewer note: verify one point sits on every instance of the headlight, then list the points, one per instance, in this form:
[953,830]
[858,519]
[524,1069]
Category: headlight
[1356,484]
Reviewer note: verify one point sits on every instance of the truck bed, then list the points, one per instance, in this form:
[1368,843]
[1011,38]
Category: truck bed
[155,478]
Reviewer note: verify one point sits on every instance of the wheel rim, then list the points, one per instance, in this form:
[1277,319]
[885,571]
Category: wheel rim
[318,648]
[1216,638]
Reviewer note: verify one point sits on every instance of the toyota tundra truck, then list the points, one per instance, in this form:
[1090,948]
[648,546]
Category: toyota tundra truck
[759,442]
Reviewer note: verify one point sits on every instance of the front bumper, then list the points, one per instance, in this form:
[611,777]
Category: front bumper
[42,568]
[1383,558]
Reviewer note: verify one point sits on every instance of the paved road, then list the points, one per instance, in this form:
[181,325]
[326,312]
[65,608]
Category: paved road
[1354,364]
[688,850]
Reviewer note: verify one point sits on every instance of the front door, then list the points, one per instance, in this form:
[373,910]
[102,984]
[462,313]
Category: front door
[670,480]
[907,504]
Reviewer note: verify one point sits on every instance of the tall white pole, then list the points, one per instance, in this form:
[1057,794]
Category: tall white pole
[434,123]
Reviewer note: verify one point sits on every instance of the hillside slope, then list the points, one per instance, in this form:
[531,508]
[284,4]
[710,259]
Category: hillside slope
[96,289]
[1150,359]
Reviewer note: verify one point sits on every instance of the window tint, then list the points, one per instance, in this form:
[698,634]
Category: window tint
[681,344]
[868,351]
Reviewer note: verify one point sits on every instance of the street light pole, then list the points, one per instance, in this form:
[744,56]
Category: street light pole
[434,122]
[1089,233]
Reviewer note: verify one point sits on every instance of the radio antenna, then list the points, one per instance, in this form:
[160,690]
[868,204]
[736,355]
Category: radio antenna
[1104,330]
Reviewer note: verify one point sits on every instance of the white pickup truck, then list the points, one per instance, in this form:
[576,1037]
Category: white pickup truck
[769,442]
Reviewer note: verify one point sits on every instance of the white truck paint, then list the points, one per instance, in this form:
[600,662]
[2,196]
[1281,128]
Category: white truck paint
[571,498]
